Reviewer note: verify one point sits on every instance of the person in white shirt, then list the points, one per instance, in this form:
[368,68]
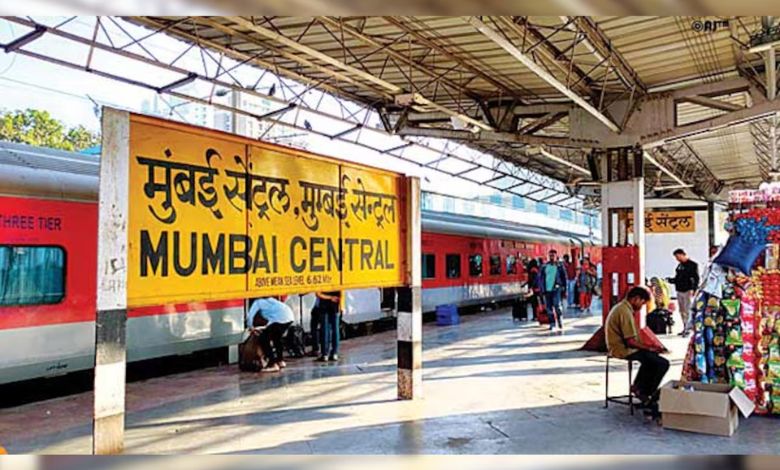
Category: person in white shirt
[273,318]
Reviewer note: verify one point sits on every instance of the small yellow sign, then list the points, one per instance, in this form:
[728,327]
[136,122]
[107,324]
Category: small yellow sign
[214,216]
[667,222]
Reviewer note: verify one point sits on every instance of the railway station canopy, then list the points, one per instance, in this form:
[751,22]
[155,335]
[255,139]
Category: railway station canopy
[520,104]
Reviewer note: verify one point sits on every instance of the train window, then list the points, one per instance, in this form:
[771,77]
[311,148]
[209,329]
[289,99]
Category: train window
[495,265]
[31,275]
[511,264]
[475,265]
[428,266]
[453,266]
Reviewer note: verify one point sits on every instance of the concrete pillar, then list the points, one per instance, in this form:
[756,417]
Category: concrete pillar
[410,323]
[711,223]
[639,225]
[110,323]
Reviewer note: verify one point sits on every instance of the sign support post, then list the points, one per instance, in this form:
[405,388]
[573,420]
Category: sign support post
[410,323]
[111,320]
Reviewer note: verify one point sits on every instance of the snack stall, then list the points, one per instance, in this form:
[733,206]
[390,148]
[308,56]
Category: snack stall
[737,309]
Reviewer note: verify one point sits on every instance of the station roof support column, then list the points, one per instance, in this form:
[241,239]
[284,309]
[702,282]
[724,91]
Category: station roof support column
[111,320]
[410,323]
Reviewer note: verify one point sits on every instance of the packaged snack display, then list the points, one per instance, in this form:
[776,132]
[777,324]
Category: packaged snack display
[736,323]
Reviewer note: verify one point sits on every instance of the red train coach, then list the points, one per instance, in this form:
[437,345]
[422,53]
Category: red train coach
[471,260]
[48,257]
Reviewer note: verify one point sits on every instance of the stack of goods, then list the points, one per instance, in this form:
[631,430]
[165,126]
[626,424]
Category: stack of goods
[717,340]
[766,348]
[737,309]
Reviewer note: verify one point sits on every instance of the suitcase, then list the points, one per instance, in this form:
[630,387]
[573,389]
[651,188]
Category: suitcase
[520,310]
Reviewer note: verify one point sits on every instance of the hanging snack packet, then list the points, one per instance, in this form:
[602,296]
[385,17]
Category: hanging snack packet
[715,281]
[732,307]
[735,361]
[738,378]
[774,353]
[748,348]
[734,337]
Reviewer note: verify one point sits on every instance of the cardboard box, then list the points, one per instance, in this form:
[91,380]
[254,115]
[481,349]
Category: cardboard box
[708,408]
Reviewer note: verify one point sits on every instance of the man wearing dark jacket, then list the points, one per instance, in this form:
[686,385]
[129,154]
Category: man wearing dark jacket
[686,281]
[552,281]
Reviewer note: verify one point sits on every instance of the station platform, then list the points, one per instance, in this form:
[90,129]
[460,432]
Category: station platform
[491,386]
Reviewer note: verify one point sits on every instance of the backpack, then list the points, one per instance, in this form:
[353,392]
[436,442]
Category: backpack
[660,321]
[250,354]
[293,341]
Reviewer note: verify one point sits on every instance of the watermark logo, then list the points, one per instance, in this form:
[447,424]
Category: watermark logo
[709,26]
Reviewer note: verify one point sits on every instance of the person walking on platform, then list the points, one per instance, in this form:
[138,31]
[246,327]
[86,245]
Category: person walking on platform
[685,280]
[533,284]
[330,311]
[273,318]
[624,342]
[586,283]
[552,281]
[571,282]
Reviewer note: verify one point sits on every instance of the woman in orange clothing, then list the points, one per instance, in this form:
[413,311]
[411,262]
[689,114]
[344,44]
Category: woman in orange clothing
[586,283]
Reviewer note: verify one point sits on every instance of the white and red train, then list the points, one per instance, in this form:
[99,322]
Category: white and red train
[48,246]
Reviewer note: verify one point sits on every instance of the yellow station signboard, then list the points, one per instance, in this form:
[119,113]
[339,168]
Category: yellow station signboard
[214,216]
[667,222]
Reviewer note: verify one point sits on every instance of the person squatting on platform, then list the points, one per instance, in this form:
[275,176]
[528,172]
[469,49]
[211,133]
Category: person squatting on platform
[273,318]
[623,342]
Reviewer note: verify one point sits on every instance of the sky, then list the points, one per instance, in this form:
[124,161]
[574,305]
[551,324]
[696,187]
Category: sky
[74,97]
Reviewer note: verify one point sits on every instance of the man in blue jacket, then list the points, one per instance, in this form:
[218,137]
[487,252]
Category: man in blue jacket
[552,280]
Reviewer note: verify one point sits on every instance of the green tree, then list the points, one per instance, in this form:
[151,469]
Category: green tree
[36,127]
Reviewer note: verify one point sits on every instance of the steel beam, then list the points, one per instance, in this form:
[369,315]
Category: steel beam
[771,92]
[402,58]
[601,44]
[563,161]
[356,127]
[545,121]
[528,62]
[550,53]
[712,103]
[416,100]
[541,109]
[303,49]
[664,170]
[485,137]
[20,42]
[434,45]
[191,77]
[743,116]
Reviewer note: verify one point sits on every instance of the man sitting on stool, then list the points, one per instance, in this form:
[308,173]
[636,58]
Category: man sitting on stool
[275,318]
[623,342]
